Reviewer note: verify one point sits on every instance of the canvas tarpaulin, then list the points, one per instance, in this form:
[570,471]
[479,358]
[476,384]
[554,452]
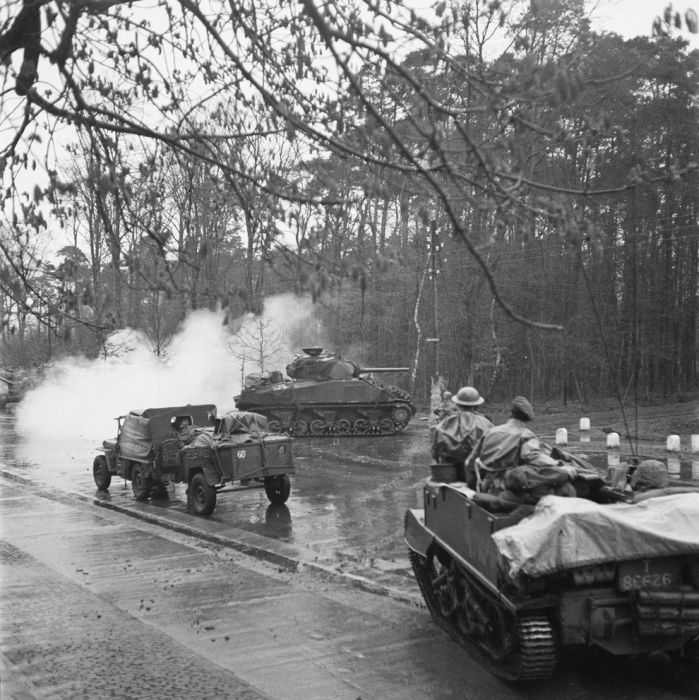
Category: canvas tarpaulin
[244,422]
[565,533]
[135,438]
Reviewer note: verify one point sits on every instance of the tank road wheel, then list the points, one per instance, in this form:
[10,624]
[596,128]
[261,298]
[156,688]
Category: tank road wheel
[362,426]
[201,497]
[278,488]
[300,427]
[140,484]
[401,416]
[387,426]
[317,427]
[275,426]
[343,427]
[101,473]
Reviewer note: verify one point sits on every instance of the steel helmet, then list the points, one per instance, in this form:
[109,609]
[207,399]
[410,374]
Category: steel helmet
[467,396]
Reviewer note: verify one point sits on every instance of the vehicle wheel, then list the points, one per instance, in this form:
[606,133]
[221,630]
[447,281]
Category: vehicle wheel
[300,427]
[387,426]
[275,426]
[401,416]
[159,490]
[514,648]
[317,427]
[101,473]
[278,488]
[362,426]
[201,497]
[343,427]
[140,484]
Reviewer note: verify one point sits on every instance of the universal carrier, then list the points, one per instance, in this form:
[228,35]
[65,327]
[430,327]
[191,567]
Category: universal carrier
[616,570]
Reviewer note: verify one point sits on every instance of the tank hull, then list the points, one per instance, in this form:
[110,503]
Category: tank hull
[334,407]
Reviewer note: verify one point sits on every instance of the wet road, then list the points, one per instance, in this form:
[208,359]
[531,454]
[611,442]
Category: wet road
[348,499]
[177,616]
[346,508]
[99,605]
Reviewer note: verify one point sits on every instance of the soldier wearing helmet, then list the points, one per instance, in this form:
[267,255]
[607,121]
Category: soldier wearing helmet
[446,407]
[457,434]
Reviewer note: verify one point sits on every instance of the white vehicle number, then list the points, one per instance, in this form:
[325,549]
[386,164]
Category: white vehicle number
[637,582]
[241,454]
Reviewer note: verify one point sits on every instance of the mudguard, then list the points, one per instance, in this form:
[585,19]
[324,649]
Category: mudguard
[418,537]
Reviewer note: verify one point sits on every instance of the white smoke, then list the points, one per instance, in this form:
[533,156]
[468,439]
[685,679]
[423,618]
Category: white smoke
[80,398]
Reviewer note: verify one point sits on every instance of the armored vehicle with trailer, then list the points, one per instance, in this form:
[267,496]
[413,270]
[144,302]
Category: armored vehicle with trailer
[326,395]
[191,445]
[610,568]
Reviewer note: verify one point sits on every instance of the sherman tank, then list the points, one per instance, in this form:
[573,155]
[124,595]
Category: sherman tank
[327,395]
[515,585]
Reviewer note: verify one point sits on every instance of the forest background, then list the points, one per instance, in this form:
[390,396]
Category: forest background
[489,193]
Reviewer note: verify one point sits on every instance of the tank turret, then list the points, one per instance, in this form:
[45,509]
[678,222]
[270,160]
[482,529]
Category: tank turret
[327,395]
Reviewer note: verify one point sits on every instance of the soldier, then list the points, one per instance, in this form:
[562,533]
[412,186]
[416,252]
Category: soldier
[457,434]
[513,443]
[445,408]
[510,457]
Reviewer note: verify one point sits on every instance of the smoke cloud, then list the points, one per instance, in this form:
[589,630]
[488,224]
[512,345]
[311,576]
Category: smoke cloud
[205,363]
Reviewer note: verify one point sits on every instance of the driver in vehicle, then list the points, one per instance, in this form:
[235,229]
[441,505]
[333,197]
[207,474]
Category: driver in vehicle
[182,428]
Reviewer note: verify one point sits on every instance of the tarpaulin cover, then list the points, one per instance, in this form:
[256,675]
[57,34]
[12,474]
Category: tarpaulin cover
[135,438]
[565,533]
[244,422]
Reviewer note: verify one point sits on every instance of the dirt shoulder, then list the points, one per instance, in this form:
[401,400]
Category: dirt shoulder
[648,425]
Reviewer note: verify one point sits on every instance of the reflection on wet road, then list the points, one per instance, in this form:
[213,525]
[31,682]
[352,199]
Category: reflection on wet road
[347,504]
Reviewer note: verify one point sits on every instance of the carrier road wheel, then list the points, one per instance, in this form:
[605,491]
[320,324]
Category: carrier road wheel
[101,473]
[140,484]
[343,427]
[278,488]
[362,426]
[516,648]
[201,497]
[275,426]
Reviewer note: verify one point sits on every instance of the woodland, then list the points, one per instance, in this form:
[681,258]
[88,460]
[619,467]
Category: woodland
[486,192]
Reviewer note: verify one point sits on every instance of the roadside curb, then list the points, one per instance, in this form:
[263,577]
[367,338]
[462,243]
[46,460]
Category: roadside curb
[289,562]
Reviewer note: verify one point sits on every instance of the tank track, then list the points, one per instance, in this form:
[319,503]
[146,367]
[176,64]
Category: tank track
[355,420]
[529,646]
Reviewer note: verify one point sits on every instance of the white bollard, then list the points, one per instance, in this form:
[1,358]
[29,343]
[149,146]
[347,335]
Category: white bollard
[673,443]
[584,424]
[695,444]
[673,467]
[612,440]
[561,436]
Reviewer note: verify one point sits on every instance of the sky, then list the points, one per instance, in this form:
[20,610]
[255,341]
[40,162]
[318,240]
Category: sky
[631,18]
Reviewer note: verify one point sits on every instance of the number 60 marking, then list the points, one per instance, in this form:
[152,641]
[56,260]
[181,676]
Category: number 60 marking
[241,454]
